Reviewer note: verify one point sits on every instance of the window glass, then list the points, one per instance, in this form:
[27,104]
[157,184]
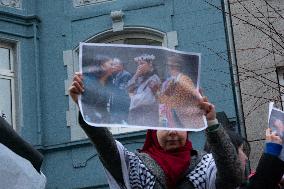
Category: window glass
[280,72]
[6,99]
[5,59]
[140,41]
[7,86]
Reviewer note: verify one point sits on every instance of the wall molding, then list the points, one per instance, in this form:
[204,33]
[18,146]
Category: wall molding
[117,20]
[124,138]
[19,19]
[26,21]
[80,3]
[11,3]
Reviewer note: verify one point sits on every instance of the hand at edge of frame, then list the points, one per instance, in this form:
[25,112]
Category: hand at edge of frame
[272,136]
[208,108]
[77,87]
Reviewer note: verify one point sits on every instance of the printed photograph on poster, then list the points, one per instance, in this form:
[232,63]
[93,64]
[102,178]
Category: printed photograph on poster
[140,86]
[276,123]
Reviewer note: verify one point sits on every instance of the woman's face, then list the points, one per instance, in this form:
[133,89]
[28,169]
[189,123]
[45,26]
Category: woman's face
[144,66]
[171,140]
[243,157]
[173,70]
[279,126]
[107,67]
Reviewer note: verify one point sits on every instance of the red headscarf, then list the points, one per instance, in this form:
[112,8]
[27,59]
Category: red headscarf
[174,163]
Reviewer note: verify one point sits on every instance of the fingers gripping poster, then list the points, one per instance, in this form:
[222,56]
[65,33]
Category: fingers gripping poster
[140,86]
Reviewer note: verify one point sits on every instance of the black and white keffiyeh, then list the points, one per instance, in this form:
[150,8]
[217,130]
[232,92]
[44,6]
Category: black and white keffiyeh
[135,173]
[204,174]
[137,176]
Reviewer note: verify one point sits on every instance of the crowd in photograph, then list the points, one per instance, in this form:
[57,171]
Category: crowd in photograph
[140,98]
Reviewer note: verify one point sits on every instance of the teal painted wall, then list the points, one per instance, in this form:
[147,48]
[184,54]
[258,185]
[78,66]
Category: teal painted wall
[60,27]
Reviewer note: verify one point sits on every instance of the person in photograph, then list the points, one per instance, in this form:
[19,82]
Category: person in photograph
[98,75]
[120,100]
[167,158]
[179,95]
[143,88]
[279,126]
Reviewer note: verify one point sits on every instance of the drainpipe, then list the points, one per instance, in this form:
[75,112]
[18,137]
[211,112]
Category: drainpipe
[234,70]
[38,103]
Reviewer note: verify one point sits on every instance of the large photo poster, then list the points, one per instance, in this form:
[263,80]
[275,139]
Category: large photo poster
[140,86]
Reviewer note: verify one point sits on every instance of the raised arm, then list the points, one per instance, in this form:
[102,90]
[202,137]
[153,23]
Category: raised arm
[229,170]
[270,168]
[100,137]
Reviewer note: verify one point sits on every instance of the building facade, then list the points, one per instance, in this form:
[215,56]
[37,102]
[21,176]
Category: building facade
[257,49]
[39,54]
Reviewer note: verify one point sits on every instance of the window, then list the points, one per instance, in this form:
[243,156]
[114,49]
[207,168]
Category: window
[7,85]
[280,72]
[134,36]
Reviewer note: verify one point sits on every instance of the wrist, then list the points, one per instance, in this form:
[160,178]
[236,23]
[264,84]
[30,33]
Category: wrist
[273,148]
[212,122]
[213,128]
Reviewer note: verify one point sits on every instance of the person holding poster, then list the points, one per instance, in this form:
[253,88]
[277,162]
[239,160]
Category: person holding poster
[143,88]
[270,167]
[167,159]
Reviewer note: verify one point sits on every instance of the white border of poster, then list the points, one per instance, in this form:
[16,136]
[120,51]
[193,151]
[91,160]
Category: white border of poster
[130,51]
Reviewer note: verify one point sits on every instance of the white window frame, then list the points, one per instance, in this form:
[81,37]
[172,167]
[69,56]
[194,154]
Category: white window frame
[70,58]
[10,75]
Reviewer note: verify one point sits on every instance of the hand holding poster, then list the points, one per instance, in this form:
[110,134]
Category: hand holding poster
[276,123]
[140,86]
